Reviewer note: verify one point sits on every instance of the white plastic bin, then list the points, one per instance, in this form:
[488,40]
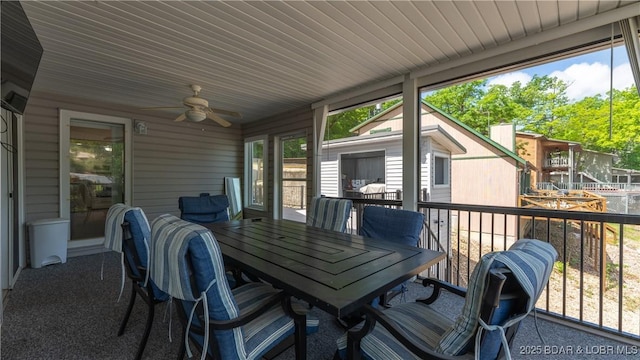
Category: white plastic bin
[48,241]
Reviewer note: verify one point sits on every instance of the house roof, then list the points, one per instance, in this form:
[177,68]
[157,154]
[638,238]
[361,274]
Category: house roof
[434,131]
[621,171]
[263,58]
[479,136]
[551,142]
[377,117]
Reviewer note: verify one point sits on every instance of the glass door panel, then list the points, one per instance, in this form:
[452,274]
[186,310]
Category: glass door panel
[294,178]
[96,175]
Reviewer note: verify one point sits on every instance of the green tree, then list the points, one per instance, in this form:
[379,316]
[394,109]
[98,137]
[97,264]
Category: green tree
[293,148]
[338,125]
[464,102]
[591,123]
[538,101]
[530,106]
[542,106]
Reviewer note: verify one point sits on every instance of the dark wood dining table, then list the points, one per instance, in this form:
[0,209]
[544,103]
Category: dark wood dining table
[334,271]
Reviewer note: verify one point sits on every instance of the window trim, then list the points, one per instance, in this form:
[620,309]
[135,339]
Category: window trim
[248,173]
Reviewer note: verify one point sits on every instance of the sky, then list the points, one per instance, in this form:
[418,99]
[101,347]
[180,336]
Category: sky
[587,75]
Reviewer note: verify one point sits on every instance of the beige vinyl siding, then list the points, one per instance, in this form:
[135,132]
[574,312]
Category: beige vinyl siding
[482,176]
[172,160]
[391,121]
[293,122]
[41,160]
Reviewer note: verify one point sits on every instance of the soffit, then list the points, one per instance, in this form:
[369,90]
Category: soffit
[265,58]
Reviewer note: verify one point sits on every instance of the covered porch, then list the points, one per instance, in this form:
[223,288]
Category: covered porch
[285,67]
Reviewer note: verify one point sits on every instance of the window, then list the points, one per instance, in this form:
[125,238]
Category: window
[255,168]
[440,170]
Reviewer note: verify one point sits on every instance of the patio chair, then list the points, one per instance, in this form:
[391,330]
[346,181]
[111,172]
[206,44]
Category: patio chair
[503,289]
[403,226]
[329,214]
[204,209]
[207,209]
[134,237]
[244,323]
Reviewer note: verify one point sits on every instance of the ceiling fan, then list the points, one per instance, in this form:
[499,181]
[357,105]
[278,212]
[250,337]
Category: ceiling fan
[198,109]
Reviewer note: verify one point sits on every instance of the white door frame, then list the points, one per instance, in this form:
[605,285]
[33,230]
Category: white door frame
[278,167]
[88,246]
[7,264]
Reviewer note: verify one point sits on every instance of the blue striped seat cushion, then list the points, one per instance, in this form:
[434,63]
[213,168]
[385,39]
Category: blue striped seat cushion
[424,325]
[270,328]
[329,214]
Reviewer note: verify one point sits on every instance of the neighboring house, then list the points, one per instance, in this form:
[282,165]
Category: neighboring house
[567,165]
[372,164]
[503,173]
[487,173]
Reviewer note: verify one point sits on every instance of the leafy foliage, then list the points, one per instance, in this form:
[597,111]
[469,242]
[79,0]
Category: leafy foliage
[541,106]
[338,125]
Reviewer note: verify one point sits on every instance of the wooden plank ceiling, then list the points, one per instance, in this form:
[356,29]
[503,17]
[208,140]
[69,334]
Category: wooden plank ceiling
[263,58]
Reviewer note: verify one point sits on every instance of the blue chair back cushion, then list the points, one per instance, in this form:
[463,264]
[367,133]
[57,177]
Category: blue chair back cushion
[403,226]
[140,231]
[204,209]
[220,300]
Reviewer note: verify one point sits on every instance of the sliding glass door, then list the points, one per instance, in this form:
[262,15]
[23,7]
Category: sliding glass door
[94,173]
[293,177]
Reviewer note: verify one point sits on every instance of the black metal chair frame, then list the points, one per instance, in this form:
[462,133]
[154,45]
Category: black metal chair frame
[145,292]
[501,285]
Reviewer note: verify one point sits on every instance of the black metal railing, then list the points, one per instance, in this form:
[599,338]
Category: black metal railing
[596,279]
[294,194]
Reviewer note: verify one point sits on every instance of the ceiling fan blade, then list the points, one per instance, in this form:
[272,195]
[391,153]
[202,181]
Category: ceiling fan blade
[226,112]
[218,119]
[181,117]
[162,108]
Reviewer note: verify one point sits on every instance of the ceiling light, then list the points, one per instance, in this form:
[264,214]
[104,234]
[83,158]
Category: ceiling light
[195,115]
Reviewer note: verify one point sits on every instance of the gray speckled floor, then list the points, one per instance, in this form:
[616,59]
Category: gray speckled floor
[65,311]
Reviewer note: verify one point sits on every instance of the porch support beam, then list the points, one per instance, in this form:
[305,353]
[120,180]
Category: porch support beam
[319,126]
[630,28]
[410,142]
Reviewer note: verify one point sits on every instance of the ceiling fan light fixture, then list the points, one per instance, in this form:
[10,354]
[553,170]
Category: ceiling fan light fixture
[195,115]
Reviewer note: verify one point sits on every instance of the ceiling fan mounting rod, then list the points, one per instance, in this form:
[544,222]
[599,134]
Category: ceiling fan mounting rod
[196,89]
